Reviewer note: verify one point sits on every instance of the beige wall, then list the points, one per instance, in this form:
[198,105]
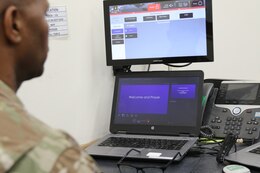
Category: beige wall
[75,92]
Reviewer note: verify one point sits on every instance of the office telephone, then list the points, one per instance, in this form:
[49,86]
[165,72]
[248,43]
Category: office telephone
[233,107]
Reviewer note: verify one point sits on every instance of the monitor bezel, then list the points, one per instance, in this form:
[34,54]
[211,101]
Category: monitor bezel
[163,60]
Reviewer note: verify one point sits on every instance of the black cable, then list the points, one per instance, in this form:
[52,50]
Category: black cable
[198,150]
[149,65]
[207,132]
[206,148]
[185,65]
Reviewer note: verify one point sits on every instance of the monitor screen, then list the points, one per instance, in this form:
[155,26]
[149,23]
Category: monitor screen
[158,31]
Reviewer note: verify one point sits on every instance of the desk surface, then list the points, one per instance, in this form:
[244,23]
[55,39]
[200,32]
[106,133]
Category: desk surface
[203,163]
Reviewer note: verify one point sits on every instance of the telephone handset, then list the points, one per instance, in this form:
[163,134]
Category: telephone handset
[233,107]
[207,93]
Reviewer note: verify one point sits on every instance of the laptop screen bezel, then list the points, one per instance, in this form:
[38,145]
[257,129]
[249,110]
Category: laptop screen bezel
[158,129]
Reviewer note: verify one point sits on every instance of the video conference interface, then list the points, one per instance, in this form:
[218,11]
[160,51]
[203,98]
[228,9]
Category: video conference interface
[158,29]
[157,101]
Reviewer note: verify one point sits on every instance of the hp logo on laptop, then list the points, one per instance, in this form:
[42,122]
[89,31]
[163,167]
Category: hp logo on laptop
[152,127]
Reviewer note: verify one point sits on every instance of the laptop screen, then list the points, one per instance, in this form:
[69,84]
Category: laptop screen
[157,99]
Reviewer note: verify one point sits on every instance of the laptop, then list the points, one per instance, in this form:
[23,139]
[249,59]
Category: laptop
[151,108]
[249,156]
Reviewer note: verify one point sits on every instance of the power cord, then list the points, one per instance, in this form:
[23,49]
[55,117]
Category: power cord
[202,147]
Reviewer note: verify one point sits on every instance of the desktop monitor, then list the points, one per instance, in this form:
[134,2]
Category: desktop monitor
[158,31]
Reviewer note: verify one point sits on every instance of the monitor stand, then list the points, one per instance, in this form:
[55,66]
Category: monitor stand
[121,69]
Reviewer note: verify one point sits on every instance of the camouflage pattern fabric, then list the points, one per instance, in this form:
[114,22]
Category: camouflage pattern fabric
[29,146]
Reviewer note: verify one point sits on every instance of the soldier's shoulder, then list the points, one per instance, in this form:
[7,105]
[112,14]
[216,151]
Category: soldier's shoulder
[25,138]
[75,161]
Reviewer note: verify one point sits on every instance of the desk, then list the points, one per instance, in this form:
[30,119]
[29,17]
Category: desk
[203,163]
[190,164]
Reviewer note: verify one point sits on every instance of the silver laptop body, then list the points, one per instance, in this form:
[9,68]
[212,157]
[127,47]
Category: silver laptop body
[245,157]
[154,105]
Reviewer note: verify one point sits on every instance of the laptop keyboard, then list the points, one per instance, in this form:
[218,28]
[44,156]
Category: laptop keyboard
[144,143]
[255,150]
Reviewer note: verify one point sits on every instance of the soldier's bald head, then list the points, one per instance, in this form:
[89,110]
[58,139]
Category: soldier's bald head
[5,3]
[23,40]
[15,1]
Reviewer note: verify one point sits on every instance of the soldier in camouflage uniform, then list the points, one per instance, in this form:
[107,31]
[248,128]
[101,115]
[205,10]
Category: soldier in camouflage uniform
[26,144]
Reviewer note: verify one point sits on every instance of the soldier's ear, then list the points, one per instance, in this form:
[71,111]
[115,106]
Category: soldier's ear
[12,24]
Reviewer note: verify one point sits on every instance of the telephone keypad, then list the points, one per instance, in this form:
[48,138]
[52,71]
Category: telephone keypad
[245,125]
[233,125]
[216,110]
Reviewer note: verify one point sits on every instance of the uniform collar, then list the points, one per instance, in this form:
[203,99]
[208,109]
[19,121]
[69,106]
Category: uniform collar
[9,94]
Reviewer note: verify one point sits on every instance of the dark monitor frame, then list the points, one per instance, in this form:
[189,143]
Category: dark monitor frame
[163,60]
